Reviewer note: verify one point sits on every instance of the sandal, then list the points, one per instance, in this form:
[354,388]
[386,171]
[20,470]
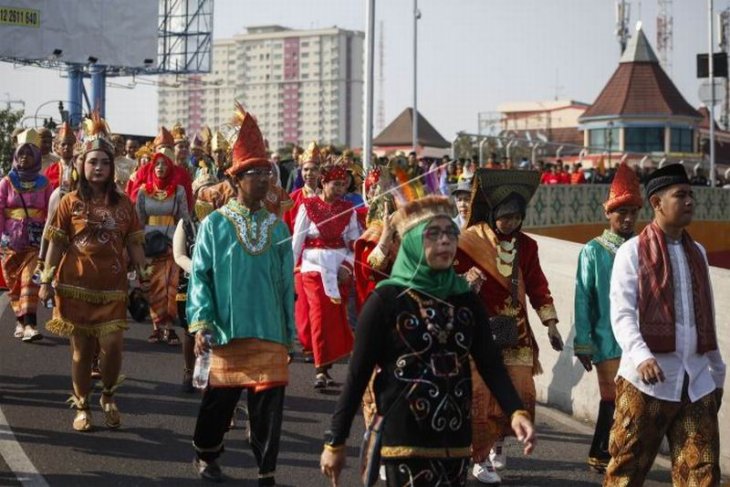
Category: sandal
[155,337]
[170,337]
[112,419]
[82,421]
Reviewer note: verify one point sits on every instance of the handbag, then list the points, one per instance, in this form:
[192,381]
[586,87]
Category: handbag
[156,243]
[504,328]
[138,306]
[33,230]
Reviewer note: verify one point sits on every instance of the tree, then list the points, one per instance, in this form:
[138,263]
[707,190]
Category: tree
[463,147]
[8,121]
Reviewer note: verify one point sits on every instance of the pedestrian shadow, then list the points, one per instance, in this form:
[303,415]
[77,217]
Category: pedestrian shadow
[566,374]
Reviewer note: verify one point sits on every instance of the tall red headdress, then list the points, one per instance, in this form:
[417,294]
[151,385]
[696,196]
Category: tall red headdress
[249,150]
[164,138]
[625,189]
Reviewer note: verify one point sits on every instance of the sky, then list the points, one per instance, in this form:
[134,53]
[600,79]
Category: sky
[472,54]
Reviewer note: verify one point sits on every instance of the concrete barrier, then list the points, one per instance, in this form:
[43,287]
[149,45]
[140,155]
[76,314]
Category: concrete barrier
[565,384]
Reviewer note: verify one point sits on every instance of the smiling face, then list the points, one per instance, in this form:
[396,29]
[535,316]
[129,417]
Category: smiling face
[310,174]
[97,167]
[439,243]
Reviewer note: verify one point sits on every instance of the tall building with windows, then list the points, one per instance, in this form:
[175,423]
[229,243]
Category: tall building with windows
[301,85]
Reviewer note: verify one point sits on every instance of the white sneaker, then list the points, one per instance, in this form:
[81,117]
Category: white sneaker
[497,456]
[486,474]
[381,472]
[31,335]
[19,330]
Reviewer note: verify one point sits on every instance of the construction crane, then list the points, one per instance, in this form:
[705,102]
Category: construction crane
[665,34]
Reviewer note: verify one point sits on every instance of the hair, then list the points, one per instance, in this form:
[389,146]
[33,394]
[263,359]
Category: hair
[110,187]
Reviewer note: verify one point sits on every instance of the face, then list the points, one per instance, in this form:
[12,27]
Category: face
[623,220]
[66,149]
[161,168]
[335,189]
[197,152]
[507,224]
[220,158]
[25,158]
[119,146]
[46,143]
[439,243]
[462,199]
[131,148]
[97,167]
[254,182]
[675,205]
[182,151]
[412,161]
[310,174]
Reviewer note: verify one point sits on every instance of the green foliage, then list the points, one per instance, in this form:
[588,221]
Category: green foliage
[8,121]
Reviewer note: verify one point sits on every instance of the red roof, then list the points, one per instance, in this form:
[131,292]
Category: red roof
[639,86]
[400,132]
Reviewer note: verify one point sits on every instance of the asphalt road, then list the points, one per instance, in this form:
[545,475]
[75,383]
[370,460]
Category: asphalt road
[154,444]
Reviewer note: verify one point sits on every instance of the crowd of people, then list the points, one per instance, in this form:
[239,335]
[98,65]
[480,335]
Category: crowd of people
[417,272]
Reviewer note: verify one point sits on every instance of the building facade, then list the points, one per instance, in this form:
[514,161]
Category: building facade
[302,85]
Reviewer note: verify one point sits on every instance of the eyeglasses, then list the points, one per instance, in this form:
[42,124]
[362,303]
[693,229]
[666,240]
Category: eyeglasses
[258,173]
[434,233]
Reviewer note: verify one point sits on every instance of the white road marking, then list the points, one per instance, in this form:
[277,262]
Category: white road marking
[15,457]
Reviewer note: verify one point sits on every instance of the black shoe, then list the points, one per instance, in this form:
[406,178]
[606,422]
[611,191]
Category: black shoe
[320,382]
[267,482]
[209,471]
[329,380]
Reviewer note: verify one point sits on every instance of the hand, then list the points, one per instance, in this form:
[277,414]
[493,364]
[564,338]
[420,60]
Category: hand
[39,267]
[343,275]
[145,285]
[386,235]
[585,359]
[201,344]
[650,371]
[331,464]
[46,292]
[525,432]
[556,341]
[475,278]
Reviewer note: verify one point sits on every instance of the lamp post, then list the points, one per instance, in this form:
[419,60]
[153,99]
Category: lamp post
[610,143]
[416,16]
[369,78]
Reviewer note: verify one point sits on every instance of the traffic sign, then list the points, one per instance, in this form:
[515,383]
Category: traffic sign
[705,92]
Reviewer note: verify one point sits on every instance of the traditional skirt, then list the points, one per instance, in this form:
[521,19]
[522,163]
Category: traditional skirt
[88,312]
[250,363]
[489,423]
[163,289]
[331,336]
[426,472]
[18,270]
[301,315]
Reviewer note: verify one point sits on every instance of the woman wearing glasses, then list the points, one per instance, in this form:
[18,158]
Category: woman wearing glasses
[161,203]
[420,327]
[325,230]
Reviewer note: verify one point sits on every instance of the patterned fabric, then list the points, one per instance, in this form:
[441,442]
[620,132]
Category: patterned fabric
[331,218]
[18,270]
[432,472]
[640,424]
[251,363]
[625,189]
[253,229]
[162,295]
[656,295]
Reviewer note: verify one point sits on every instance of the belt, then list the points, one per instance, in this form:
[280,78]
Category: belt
[19,213]
[320,243]
[160,220]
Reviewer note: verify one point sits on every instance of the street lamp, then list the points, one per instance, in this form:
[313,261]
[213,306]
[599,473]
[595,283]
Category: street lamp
[610,142]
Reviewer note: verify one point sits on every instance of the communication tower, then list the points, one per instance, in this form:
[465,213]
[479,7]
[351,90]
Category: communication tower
[665,34]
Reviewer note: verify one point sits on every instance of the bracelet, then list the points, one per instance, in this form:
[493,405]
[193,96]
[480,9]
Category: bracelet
[146,272]
[334,448]
[376,257]
[521,412]
[47,275]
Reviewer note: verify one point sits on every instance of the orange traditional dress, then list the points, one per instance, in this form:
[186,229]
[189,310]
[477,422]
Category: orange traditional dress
[91,283]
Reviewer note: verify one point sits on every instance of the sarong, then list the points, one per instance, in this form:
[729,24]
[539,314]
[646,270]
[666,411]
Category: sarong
[18,270]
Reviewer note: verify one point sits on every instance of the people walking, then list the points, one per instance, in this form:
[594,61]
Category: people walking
[24,195]
[251,331]
[93,231]
[670,379]
[420,327]
[594,343]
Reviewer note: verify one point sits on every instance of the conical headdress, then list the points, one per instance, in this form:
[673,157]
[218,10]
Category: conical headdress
[178,133]
[249,150]
[65,133]
[96,135]
[625,189]
[30,136]
[164,138]
[312,154]
[219,142]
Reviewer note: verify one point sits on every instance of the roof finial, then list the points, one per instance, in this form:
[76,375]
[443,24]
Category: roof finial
[638,25]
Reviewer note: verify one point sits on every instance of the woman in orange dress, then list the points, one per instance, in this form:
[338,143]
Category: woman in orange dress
[88,236]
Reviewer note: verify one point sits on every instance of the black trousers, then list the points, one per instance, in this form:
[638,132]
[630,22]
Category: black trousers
[265,413]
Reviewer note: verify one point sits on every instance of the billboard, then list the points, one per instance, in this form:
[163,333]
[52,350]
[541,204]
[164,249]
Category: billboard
[106,32]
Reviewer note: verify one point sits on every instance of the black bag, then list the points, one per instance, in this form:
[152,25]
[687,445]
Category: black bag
[156,244]
[504,328]
[34,230]
[370,452]
[138,306]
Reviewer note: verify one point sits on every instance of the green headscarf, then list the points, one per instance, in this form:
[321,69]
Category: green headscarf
[411,270]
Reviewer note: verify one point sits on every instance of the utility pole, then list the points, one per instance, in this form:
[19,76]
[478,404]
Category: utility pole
[711,67]
[381,80]
[369,78]
[416,16]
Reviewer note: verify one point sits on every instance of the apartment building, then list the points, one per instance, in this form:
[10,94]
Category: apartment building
[301,85]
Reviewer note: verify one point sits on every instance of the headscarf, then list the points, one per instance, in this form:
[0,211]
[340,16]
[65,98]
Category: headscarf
[31,173]
[153,183]
[411,270]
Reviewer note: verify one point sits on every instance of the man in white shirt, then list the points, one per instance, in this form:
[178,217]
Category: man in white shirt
[671,374]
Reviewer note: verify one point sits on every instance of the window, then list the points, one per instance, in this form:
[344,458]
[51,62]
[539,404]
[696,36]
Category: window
[645,139]
[598,139]
[681,140]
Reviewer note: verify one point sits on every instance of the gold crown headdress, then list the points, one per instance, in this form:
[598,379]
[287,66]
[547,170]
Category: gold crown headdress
[178,133]
[30,136]
[96,135]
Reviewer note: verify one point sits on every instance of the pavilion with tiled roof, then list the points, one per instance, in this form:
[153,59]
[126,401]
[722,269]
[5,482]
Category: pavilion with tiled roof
[640,112]
[398,136]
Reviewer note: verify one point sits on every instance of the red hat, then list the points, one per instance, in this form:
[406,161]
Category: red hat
[335,172]
[625,189]
[249,150]
[164,138]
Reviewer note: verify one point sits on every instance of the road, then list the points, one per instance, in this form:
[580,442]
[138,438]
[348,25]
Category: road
[153,447]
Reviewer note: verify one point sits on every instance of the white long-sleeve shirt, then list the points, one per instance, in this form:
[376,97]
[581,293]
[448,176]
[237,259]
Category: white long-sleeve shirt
[706,371]
[324,261]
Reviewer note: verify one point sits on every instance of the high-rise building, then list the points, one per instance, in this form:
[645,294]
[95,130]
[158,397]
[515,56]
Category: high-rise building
[302,85]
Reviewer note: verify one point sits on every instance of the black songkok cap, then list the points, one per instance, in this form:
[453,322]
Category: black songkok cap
[665,177]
